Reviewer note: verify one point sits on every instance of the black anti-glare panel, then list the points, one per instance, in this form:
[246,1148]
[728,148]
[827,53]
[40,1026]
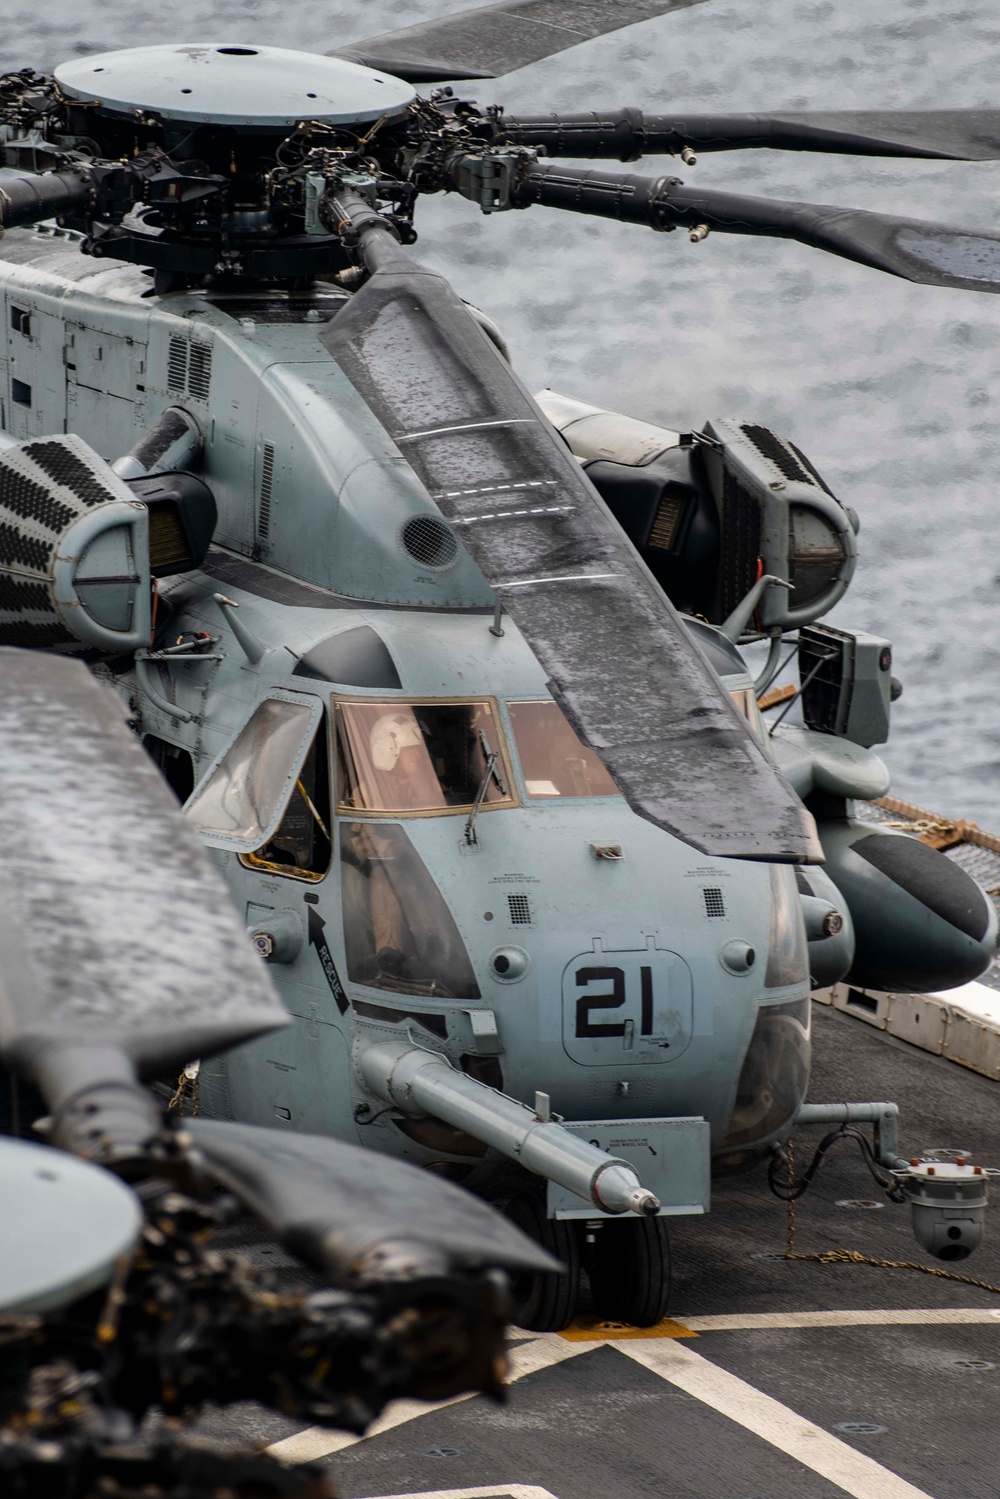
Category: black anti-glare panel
[114,925]
[332,1204]
[494,39]
[618,658]
[354,658]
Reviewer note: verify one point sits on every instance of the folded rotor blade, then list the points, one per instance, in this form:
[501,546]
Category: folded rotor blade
[627,134]
[493,39]
[116,933]
[616,654]
[340,1208]
[934,254]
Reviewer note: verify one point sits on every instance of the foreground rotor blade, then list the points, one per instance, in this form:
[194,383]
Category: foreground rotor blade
[933,254]
[344,1210]
[616,654]
[627,134]
[494,39]
[117,936]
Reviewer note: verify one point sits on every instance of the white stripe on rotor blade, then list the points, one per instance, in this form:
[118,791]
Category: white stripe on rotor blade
[570,578]
[816,1449]
[505,421]
[319,1441]
[927,1316]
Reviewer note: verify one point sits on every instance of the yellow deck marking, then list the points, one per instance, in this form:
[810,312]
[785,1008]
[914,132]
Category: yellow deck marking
[590,1330]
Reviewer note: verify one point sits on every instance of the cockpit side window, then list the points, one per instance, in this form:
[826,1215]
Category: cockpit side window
[301,848]
[554,761]
[239,802]
[419,757]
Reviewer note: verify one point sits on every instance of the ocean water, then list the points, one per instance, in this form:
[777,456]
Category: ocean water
[890,388]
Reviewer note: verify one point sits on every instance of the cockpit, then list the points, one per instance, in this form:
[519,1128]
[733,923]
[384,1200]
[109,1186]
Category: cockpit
[271,799]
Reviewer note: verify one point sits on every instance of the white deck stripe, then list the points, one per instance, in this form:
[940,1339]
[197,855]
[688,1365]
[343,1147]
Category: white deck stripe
[853,1472]
[318,1441]
[750,1321]
[741,1402]
[491,1491]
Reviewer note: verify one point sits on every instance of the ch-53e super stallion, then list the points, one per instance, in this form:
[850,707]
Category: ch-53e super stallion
[448,676]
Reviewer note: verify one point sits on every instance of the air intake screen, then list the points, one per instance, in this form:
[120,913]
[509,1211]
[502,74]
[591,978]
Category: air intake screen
[663,531]
[740,543]
[430,541]
[780,454]
[714,904]
[167,547]
[520,909]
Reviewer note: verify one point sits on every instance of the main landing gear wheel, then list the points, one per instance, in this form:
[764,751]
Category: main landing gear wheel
[630,1270]
[545,1303]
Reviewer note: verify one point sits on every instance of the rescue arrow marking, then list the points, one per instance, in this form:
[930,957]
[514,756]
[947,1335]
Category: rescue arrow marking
[317,939]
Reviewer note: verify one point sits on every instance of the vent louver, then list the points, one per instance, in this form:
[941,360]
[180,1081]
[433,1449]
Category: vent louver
[266,486]
[177,363]
[189,368]
[200,371]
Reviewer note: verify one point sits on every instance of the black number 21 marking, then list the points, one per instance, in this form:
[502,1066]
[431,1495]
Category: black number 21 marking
[613,999]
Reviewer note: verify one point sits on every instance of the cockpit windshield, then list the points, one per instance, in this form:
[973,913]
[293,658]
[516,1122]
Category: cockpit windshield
[554,761]
[418,757]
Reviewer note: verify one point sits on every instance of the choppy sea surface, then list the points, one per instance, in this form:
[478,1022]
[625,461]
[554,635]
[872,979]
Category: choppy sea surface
[892,389]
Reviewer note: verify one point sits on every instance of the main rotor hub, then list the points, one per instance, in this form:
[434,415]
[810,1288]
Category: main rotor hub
[227,84]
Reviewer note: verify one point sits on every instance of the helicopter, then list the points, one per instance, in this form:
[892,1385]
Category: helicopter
[121,954]
[448,677]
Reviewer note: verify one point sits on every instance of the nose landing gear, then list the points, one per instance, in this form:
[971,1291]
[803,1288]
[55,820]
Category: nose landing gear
[628,1265]
[626,1260]
[545,1303]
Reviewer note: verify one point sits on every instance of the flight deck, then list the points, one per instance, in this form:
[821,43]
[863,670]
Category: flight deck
[771,1378]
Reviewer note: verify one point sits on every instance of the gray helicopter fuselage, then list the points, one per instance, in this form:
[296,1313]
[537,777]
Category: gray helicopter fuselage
[618,1002]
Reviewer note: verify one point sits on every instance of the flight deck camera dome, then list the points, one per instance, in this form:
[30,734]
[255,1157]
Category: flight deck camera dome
[948,1199]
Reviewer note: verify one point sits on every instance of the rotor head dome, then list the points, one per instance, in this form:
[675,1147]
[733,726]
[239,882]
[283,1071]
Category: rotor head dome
[229,84]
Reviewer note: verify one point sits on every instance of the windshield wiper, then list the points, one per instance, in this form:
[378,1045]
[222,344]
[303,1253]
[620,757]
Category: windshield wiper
[491,773]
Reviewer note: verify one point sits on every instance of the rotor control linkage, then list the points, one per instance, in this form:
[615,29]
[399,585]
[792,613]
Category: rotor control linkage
[424,1082]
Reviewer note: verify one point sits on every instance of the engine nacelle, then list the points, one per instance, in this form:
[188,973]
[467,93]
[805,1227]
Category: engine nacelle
[710,512]
[74,550]
[920,922]
[79,545]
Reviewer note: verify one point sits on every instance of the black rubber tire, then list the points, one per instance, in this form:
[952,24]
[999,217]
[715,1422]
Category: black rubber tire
[630,1271]
[545,1303]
